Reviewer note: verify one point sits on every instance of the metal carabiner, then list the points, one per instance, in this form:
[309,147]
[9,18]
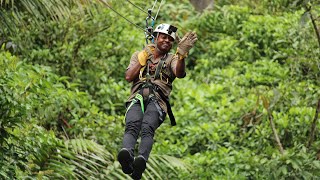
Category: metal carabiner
[149,29]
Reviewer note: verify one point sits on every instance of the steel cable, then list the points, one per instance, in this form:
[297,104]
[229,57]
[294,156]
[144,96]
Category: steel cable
[106,4]
[137,7]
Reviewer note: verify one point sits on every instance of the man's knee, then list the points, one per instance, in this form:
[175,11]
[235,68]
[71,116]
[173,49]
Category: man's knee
[147,129]
[133,127]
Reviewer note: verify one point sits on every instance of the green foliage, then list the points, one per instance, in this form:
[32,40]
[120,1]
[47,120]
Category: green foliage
[245,164]
[88,51]
[221,111]
[62,95]
[36,98]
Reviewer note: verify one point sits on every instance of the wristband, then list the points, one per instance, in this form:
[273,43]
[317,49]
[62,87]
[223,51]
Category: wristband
[181,56]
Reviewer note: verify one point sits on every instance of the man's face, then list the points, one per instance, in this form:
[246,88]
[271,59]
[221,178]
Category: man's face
[164,42]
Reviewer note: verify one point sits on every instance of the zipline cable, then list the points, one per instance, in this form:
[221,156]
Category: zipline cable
[149,29]
[137,7]
[106,4]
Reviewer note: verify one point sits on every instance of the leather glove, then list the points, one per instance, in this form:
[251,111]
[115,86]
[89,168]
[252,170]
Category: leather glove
[186,43]
[145,54]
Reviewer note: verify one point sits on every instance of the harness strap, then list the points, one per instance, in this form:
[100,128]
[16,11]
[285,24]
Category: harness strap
[158,69]
[170,113]
[141,73]
[137,98]
[160,65]
[159,110]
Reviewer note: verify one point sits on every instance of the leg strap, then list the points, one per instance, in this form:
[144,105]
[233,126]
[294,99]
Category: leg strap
[159,109]
[137,98]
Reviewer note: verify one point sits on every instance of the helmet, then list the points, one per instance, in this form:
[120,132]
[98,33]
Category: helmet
[166,29]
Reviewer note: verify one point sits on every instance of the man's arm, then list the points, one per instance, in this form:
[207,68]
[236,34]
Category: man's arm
[137,61]
[133,72]
[180,71]
[184,45]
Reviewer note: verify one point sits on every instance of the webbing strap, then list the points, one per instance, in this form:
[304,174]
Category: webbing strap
[138,97]
[159,67]
[170,113]
[141,72]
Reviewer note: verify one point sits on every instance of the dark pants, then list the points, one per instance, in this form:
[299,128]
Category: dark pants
[146,123]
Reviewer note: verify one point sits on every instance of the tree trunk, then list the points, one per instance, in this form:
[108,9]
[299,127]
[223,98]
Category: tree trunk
[201,5]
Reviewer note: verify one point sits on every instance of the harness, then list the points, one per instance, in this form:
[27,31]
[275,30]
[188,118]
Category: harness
[147,85]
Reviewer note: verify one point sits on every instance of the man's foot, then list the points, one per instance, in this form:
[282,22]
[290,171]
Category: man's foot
[126,160]
[139,165]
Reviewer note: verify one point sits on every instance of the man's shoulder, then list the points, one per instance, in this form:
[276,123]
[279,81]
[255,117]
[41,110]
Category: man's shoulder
[135,55]
[171,57]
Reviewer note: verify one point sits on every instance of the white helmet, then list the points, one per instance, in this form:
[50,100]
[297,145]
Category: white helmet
[166,29]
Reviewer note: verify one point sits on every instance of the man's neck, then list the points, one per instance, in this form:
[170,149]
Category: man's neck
[158,53]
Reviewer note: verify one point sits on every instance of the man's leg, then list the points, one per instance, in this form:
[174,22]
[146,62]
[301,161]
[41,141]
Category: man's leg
[133,125]
[151,121]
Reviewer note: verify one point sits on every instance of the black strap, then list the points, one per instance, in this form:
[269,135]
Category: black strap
[166,100]
[159,67]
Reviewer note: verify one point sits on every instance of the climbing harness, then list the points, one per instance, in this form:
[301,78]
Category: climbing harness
[152,88]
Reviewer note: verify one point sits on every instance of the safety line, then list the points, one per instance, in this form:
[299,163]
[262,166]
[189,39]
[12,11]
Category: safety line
[154,4]
[158,10]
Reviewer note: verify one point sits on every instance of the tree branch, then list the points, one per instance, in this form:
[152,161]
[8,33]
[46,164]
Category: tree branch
[275,131]
[313,126]
[315,27]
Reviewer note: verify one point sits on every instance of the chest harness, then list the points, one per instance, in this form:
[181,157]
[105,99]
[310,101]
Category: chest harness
[147,89]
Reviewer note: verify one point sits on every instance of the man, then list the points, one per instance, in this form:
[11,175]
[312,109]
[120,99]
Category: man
[151,72]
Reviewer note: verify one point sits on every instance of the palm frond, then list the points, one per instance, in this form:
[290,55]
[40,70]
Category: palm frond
[82,158]
[75,159]
[15,14]
[159,166]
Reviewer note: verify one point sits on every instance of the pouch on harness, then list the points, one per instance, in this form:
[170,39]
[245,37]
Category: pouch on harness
[152,89]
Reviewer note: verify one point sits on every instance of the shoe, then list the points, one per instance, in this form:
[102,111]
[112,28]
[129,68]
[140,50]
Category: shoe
[126,160]
[139,165]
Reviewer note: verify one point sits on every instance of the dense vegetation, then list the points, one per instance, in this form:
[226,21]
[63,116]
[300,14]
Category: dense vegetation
[252,77]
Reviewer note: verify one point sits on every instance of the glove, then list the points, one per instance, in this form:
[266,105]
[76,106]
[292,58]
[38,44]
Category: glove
[186,43]
[145,54]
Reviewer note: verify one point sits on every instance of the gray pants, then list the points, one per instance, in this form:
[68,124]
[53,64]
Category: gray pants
[146,123]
